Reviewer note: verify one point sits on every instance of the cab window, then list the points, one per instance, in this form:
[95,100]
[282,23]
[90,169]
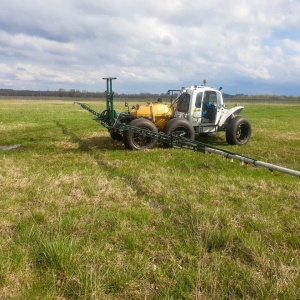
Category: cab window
[210,97]
[199,100]
[183,102]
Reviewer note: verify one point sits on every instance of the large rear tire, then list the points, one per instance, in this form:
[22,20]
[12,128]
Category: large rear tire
[238,131]
[181,127]
[139,141]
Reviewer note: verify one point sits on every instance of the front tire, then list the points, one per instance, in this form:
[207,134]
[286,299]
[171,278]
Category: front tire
[139,141]
[181,127]
[238,131]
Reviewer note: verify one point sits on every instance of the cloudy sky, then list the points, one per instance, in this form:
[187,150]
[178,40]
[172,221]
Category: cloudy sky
[248,47]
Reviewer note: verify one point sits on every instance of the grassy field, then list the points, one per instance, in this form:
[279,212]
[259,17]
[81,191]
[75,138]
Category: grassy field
[83,218]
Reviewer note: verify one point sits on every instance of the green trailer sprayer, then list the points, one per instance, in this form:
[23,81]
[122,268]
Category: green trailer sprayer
[196,110]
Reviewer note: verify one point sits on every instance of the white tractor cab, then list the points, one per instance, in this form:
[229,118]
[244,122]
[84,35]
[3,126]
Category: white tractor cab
[203,107]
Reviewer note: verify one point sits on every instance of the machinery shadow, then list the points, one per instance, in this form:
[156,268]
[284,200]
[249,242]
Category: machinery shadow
[107,143]
[91,143]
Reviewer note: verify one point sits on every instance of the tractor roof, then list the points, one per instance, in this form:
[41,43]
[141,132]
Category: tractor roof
[200,87]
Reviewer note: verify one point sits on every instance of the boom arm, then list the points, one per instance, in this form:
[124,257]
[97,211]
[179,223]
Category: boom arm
[178,141]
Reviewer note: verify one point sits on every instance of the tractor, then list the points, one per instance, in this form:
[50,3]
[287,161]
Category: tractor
[197,109]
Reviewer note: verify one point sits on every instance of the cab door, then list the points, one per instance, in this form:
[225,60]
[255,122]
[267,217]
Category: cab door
[209,107]
[197,110]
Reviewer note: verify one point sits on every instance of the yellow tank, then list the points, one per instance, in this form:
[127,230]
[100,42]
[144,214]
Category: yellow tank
[157,112]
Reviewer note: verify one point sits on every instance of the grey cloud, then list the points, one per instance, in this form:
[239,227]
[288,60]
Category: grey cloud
[157,43]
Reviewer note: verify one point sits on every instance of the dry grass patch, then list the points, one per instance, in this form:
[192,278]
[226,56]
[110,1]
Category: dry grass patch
[287,136]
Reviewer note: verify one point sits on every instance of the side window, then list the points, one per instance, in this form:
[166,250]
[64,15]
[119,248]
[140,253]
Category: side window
[199,100]
[183,102]
[210,97]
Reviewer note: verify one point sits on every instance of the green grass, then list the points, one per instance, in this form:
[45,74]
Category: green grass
[83,218]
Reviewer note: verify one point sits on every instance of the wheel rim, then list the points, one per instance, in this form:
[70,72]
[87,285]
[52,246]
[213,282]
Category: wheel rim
[181,131]
[141,140]
[242,132]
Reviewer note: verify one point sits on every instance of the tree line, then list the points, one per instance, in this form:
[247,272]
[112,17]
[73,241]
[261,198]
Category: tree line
[72,93]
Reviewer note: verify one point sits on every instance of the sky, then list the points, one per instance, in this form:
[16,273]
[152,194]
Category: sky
[247,47]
